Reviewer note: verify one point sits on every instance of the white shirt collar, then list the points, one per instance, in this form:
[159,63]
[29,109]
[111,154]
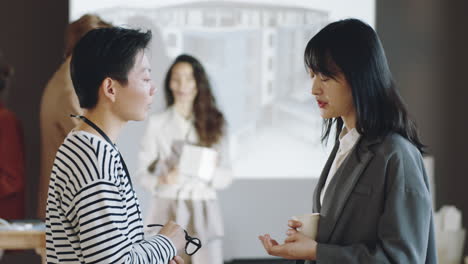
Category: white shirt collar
[348,139]
[179,117]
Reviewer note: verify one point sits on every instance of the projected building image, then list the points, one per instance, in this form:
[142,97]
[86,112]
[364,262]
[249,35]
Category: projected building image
[253,54]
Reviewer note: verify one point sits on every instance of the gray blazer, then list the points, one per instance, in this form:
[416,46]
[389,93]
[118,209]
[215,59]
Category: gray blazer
[377,208]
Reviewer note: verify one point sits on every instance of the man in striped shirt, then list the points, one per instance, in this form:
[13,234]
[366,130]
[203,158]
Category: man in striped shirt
[93,215]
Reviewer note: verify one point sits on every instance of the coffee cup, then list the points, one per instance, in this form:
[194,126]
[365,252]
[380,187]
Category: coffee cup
[309,224]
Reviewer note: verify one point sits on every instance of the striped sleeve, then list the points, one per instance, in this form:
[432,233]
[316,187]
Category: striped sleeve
[100,211]
[105,232]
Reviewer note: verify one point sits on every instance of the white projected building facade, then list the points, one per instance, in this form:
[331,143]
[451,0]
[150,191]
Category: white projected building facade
[253,54]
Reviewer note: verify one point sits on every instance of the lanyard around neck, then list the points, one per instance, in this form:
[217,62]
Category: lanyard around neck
[99,130]
[95,127]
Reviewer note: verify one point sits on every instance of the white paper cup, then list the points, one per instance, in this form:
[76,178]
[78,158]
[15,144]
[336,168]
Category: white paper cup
[309,224]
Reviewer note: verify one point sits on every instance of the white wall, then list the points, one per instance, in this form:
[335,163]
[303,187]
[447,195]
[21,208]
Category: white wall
[256,207]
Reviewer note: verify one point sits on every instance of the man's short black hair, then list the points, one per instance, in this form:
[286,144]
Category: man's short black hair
[102,53]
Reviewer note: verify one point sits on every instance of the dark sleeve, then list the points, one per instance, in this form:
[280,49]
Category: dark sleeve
[404,227]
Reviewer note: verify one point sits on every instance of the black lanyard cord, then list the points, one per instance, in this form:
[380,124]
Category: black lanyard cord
[99,130]
[190,240]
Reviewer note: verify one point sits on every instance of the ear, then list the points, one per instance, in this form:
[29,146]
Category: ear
[108,89]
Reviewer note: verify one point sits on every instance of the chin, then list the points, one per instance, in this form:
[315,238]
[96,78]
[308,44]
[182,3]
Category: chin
[325,115]
[328,114]
[141,118]
[138,117]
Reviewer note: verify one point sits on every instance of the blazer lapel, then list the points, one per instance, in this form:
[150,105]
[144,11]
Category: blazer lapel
[316,207]
[341,187]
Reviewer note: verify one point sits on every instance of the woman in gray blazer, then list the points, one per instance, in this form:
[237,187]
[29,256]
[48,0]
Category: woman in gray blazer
[373,194]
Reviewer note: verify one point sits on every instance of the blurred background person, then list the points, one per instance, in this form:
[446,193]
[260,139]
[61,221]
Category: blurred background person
[12,160]
[191,117]
[12,175]
[58,102]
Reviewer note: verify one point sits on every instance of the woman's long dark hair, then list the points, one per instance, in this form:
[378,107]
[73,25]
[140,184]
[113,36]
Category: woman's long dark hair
[209,121]
[353,48]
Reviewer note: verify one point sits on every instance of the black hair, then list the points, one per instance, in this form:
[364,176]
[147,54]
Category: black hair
[353,48]
[102,53]
[209,121]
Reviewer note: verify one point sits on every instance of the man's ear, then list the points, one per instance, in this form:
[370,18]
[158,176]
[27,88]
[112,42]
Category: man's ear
[108,88]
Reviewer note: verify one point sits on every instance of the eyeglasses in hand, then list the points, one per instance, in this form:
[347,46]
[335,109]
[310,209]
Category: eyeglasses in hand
[193,244]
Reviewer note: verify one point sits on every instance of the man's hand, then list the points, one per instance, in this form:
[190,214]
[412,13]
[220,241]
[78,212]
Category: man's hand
[176,260]
[175,233]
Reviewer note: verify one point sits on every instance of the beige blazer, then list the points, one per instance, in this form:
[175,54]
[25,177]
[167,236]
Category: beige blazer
[58,102]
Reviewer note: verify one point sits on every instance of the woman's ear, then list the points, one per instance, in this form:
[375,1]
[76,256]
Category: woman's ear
[108,89]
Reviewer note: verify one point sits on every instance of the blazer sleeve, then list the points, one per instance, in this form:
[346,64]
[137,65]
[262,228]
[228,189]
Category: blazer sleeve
[69,105]
[405,224]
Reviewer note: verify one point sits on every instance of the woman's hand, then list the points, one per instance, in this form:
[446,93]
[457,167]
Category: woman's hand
[171,178]
[296,245]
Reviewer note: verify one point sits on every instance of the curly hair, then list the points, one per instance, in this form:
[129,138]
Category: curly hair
[209,121]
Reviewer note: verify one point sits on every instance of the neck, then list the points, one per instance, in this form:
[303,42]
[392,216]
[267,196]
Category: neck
[105,120]
[349,121]
[184,109]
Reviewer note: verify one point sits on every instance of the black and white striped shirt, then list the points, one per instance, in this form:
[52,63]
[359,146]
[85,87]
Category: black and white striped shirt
[92,214]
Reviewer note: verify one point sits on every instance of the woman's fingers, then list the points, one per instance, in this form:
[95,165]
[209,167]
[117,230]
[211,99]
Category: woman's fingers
[294,224]
[296,246]
[293,238]
[291,232]
[265,242]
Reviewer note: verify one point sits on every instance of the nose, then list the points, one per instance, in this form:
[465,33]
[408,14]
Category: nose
[153,89]
[316,89]
[183,86]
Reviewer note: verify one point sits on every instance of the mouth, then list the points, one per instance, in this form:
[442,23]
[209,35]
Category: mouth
[321,104]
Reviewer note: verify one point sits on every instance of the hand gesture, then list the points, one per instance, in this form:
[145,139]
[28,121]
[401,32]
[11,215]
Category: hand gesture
[175,233]
[296,245]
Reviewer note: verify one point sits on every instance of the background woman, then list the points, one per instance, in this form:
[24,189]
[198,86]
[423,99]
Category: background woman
[191,117]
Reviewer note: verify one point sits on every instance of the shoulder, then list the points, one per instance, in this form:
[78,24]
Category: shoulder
[161,118]
[394,145]
[59,89]
[84,155]
[6,116]
[8,119]
[60,80]
[404,164]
